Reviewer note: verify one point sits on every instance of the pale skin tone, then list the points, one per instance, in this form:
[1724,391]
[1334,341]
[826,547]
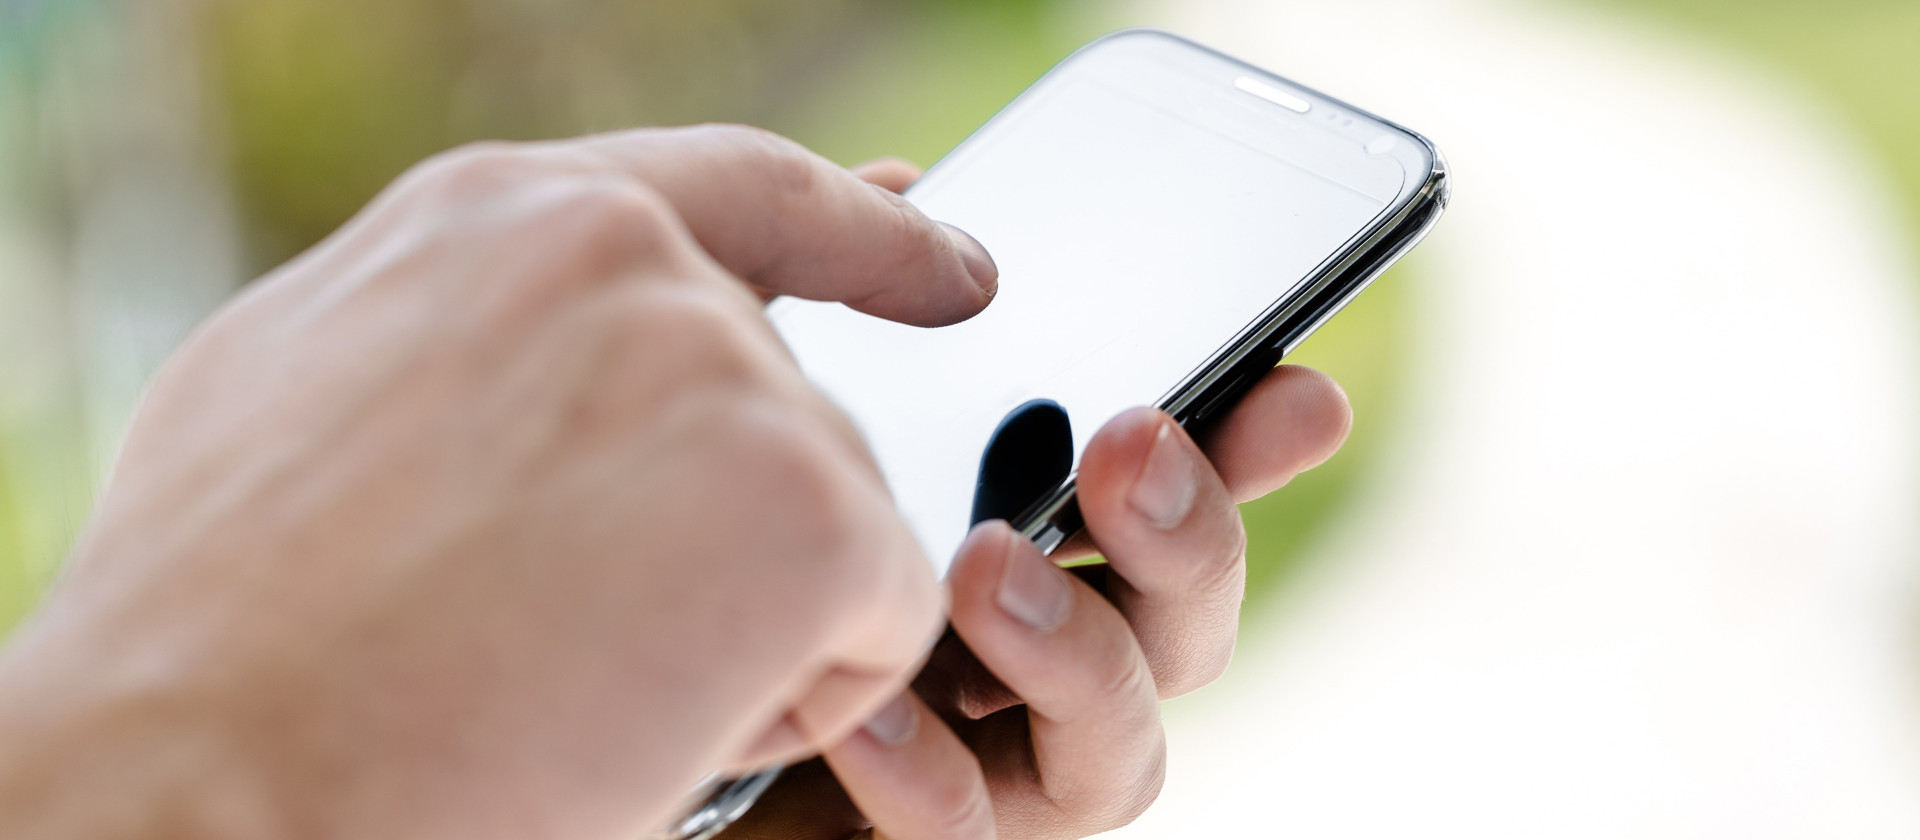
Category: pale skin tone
[503,513]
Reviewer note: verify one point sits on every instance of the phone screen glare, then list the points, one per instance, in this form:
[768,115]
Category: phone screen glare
[1133,243]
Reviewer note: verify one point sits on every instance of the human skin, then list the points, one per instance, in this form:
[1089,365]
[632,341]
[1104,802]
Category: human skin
[1037,716]
[503,512]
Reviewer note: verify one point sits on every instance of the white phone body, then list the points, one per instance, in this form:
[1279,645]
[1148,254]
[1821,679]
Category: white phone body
[1168,222]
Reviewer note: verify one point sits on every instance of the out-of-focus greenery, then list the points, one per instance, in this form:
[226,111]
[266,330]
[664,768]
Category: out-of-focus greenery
[1861,57]
[17,588]
[923,91]
[328,101]
[1361,348]
[317,105]
[926,90]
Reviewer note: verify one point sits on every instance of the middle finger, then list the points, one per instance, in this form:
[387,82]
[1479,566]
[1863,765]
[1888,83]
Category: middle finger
[1174,543]
[1086,753]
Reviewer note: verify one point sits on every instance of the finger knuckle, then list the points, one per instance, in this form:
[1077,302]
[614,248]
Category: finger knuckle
[958,808]
[788,171]
[778,161]
[1128,674]
[1191,662]
[1137,797]
[1200,652]
[905,224]
[1200,670]
[1229,566]
[704,333]
[1124,800]
[808,493]
[612,222]
[480,166]
[1216,548]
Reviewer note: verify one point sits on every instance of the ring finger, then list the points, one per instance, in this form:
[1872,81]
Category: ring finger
[1086,752]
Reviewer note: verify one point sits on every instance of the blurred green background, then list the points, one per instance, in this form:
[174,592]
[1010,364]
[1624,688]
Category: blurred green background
[273,120]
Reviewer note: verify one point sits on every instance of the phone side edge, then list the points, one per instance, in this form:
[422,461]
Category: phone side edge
[1056,517]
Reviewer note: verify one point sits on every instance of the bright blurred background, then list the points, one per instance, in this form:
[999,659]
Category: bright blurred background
[158,154]
[1624,541]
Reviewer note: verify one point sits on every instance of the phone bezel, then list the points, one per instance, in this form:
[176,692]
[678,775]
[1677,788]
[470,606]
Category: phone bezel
[1222,379]
[1218,383]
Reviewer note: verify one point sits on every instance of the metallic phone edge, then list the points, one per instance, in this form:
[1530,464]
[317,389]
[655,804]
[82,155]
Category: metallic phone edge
[1054,519]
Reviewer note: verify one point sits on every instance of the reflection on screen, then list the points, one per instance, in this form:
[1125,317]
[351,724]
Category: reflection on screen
[1133,243]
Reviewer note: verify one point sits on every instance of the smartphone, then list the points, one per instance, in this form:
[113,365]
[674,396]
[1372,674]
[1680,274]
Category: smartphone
[1169,222]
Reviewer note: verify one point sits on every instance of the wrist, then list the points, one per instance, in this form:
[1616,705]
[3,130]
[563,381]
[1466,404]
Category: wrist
[85,758]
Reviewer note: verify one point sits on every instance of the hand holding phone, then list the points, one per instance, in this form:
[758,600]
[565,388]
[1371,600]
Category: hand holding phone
[1169,223]
[502,508]
[1051,729]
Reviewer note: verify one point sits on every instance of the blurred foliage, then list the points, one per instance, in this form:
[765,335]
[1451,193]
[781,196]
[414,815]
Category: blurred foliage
[1361,349]
[317,104]
[328,101]
[314,106]
[852,80]
[1861,57]
[17,587]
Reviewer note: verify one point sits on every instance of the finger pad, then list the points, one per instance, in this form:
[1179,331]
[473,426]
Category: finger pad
[1294,420]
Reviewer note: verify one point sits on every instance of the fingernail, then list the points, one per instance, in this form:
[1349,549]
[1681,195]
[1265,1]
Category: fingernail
[895,723]
[1164,491]
[1033,590]
[979,264]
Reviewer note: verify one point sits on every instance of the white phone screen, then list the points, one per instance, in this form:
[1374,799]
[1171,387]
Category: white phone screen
[1141,215]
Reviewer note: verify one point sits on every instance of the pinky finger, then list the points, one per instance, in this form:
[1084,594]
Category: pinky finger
[912,777]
